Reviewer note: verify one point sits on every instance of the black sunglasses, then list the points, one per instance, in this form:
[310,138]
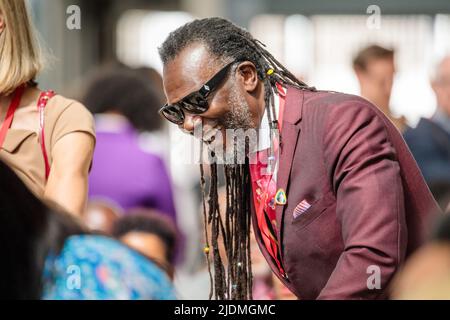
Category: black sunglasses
[195,102]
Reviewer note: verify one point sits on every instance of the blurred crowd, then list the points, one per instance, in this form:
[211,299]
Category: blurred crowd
[132,199]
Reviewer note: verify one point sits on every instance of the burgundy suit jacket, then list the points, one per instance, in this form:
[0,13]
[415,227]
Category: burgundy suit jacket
[369,203]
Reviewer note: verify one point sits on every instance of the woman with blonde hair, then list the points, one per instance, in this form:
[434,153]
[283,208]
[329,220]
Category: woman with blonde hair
[46,139]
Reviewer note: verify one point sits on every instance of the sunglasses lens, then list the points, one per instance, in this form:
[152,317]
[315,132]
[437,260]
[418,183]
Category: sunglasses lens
[195,104]
[173,114]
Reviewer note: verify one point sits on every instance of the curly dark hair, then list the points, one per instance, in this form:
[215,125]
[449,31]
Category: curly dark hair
[127,92]
[151,222]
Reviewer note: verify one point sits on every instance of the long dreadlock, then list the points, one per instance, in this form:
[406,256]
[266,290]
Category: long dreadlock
[229,42]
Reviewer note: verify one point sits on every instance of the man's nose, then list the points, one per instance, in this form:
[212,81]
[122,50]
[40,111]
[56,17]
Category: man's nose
[190,122]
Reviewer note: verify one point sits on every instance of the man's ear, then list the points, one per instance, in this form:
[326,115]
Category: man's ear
[247,74]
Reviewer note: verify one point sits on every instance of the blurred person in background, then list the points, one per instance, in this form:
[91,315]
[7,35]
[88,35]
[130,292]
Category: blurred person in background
[46,139]
[374,67]
[426,276]
[155,78]
[441,192]
[430,140]
[150,233]
[325,162]
[124,105]
[100,215]
[157,140]
[49,255]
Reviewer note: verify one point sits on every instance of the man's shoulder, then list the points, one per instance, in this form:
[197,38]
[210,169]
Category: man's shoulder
[326,99]
[325,104]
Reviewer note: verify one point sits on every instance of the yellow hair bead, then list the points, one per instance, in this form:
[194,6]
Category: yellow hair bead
[270,72]
[206,250]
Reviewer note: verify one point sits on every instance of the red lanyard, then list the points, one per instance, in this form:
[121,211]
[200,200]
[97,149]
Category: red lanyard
[42,102]
[270,242]
[10,113]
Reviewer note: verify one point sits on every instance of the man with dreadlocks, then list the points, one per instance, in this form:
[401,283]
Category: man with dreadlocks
[335,198]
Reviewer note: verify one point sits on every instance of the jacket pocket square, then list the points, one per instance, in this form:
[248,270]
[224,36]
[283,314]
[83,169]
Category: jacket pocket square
[301,208]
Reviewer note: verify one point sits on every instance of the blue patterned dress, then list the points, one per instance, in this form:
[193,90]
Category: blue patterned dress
[93,267]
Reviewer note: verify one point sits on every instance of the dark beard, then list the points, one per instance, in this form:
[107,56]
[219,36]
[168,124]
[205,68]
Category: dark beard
[239,116]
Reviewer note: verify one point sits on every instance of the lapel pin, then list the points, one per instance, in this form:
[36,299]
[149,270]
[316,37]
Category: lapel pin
[280,197]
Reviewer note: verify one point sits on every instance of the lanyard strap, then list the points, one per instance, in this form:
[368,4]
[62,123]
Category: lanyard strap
[42,103]
[272,244]
[10,113]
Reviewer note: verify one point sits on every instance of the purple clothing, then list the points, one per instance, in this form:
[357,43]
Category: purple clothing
[124,173]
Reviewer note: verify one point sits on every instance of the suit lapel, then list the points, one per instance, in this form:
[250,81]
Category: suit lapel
[290,134]
[289,137]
